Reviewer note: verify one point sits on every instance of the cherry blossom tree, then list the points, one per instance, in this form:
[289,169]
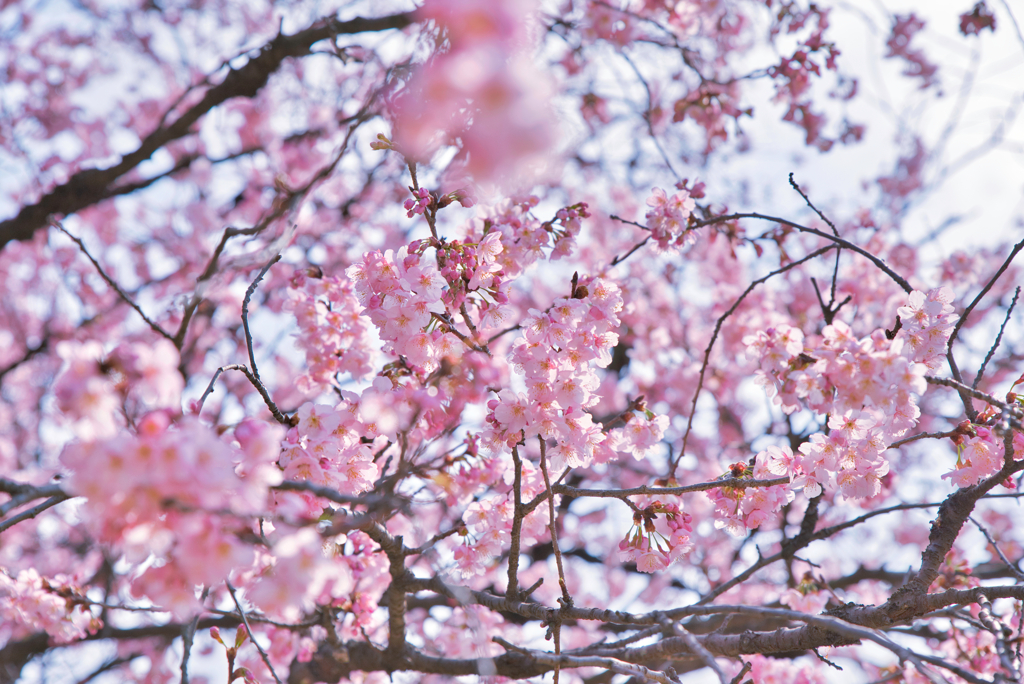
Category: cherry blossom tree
[401,342]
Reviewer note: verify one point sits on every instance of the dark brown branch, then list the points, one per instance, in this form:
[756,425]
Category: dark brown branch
[396,597]
[966,391]
[284,202]
[334,662]
[952,515]
[92,185]
[248,630]
[278,416]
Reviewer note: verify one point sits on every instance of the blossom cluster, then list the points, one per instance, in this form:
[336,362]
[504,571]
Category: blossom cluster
[927,321]
[473,267]
[652,549]
[419,204]
[488,525]
[669,216]
[866,386]
[94,386]
[557,354]
[297,575]
[981,455]
[524,237]
[904,28]
[30,603]
[326,448]
[176,493]
[332,333]
[739,509]
[403,298]
[483,89]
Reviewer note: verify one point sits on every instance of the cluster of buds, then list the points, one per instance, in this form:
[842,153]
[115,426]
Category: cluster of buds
[653,549]
[739,509]
[419,204]
[242,673]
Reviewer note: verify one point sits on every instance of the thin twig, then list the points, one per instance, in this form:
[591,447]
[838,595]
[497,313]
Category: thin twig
[566,600]
[209,389]
[622,257]
[22,493]
[280,417]
[896,277]
[995,345]
[188,633]
[245,315]
[110,281]
[923,435]
[811,205]
[1013,568]
[747,667]
[648,114]
[987,398]
[248,629]
[333,494]
[552,522]
[691,642]
[427,545]
[971,412]
[732,482]
[611,664]
[714,337]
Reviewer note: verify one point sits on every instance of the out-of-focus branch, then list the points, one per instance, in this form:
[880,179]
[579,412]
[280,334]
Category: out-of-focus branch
[92,185]
[113,284]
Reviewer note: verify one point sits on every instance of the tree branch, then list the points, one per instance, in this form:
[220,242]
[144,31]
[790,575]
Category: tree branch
[92,185]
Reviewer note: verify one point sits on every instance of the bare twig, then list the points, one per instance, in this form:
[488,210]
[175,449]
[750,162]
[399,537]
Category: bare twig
[846,244]
[923,435]
[696,647]
[114,286]
[1013,568]
[280,417]
[644,490]
[811,205]
[964,390]
[995,345]
[248,629]
[188,633]
[648,116]
[22,493]
[552,522]
[88,186]
[245,314]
